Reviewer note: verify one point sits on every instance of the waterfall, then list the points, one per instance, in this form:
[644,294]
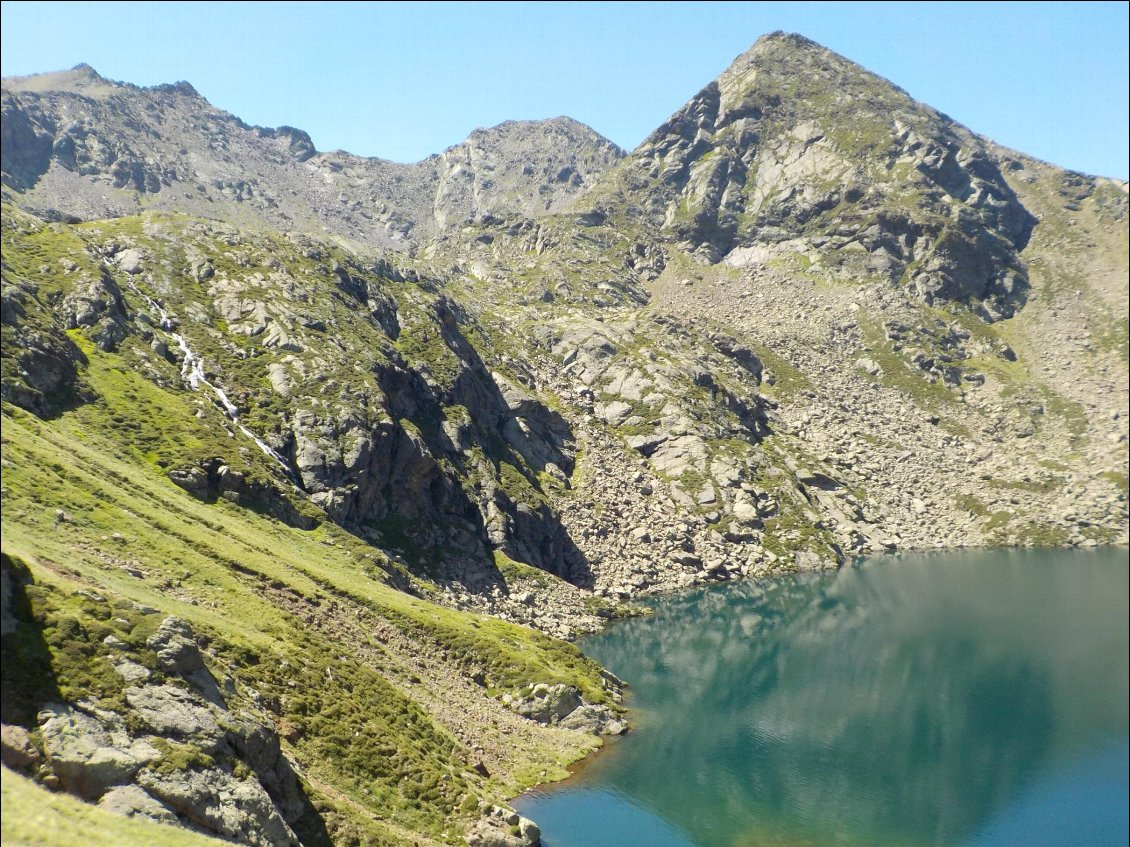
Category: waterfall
[192,372]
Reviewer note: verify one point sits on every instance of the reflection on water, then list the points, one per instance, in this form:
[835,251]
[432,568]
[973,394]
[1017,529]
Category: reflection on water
[909,701]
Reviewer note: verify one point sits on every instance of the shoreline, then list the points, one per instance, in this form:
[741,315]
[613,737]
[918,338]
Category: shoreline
[579,766]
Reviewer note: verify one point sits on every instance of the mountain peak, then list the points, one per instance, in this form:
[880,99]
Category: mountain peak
[780,37]
[775,46]
[84,79]
[793,141]
[87,70]
[563,128]
[799,68]
[525,167]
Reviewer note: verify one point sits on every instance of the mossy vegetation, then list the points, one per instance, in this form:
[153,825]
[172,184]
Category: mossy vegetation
[793,526]
[519,572]
[177,756]
[1118,479]
[899,374]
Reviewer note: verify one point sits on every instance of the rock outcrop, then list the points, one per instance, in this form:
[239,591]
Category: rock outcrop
[562,705]
[500,827]
[175,752]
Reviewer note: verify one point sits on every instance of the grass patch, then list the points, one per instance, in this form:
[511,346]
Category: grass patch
[997,520]
[35,817]
[898,374]
[972,504]
[1117,479]
[519,572]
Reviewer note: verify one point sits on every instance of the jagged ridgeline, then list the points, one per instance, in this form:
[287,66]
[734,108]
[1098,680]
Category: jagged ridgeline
[311,461]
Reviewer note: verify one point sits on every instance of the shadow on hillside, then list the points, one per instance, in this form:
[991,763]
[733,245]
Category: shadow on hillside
[516,441]
[27,675]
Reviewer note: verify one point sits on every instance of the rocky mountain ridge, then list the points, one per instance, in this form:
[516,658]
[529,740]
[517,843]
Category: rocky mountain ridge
[80,146]
[402,408]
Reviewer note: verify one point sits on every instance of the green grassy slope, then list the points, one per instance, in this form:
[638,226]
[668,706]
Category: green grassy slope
[371,685]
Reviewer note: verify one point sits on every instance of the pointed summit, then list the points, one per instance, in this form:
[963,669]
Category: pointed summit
[794,146]
[783,44]
[779,40]
[84,68]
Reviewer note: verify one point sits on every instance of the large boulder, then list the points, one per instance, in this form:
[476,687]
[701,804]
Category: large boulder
[176,713]
[16,748]
[546,703]
[86,755]
[236,809]
[597,720]
[133,802]
[176,648]
[501,827]
[96,305]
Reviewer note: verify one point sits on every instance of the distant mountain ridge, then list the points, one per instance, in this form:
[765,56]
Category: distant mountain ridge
[80,146]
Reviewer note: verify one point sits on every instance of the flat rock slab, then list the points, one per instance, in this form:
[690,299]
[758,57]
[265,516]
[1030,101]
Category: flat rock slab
[174,711]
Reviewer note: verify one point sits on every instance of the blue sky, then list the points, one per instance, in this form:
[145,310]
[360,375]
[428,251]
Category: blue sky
[403,80]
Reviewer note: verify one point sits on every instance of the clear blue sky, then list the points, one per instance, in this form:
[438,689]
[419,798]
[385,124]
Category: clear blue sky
[403,80]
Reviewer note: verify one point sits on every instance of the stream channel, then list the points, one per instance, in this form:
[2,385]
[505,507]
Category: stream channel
[972,698]
[192,373]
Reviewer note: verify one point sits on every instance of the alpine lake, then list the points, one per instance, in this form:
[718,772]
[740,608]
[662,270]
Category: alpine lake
[971,699]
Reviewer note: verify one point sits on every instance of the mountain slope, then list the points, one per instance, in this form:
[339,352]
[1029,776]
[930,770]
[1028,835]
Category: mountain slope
[379,697]
[375,435]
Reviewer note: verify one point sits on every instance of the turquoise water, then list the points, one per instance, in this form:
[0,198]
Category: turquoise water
[974,699]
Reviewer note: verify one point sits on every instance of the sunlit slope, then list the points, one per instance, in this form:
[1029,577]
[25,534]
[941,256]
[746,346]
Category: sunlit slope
[372,685]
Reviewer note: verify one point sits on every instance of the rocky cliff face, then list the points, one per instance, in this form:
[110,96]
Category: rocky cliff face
[345,418]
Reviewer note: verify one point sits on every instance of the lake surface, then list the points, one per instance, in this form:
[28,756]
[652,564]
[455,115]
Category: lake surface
[974,699]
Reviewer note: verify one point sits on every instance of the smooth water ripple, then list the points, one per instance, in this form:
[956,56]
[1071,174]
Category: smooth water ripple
[972,699]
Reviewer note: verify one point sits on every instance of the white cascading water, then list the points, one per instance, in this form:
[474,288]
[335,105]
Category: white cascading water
[192,372]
